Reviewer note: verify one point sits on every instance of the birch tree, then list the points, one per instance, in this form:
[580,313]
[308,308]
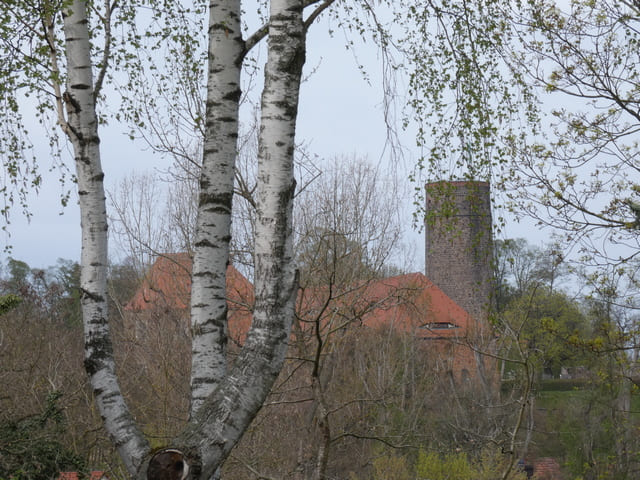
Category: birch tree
[51,58]
[223,402]
[81,127]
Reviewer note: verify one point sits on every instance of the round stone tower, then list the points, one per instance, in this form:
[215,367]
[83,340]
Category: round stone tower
[459,247]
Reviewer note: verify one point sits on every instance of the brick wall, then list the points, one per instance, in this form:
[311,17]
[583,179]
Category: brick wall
[458,259]
[458,243]
[546,468]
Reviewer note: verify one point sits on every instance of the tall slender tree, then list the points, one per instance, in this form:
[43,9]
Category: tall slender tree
[81,128]
[223,402]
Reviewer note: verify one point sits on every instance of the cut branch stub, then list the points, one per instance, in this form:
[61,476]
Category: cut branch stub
[168,464]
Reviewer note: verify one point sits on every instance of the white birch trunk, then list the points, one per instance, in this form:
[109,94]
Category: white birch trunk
[223,405]
[82,129]
[213,231]
[222,418]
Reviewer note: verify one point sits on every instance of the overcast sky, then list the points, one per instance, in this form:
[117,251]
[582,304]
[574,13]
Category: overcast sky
[340,113]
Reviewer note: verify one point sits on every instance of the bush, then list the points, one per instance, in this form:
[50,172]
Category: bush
[562,385]
[458,466]
[30,449]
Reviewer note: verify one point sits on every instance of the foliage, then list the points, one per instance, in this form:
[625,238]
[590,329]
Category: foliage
[551,325]
[562,384]
[430,465]
[31,449]
[391,467]
[589,430]
[462,103]
[580,177]
[540,98]
[41,349]
[7,302]
[53,292]
[538,322]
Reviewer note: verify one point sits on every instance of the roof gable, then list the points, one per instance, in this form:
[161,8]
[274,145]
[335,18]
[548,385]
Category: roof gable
[168,284]
[408,303]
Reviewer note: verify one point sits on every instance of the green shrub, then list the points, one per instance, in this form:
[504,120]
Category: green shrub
[458,466]
[30,449]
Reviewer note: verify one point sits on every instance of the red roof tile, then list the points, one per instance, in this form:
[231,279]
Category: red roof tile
[407,302]
[167,285]
[94,475]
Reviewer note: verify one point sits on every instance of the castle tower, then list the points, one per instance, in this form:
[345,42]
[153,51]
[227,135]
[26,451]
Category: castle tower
[459,247]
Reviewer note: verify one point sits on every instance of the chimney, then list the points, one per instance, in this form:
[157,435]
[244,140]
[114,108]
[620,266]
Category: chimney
[458,242]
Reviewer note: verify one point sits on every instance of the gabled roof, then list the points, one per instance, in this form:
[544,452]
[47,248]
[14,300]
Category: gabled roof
[408,303]
[94,475]
[167,286]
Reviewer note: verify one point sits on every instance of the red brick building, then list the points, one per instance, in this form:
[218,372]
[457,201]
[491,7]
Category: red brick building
[447,309]
[407,303]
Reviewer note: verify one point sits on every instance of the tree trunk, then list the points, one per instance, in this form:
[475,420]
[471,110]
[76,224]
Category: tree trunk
[223,416]
[324,444]
[82,130]
[213,230]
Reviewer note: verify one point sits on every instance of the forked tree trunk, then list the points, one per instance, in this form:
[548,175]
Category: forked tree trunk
[82,130]
[224,414]
[224,403]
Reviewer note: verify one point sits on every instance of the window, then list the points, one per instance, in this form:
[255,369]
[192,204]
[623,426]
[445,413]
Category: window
[440,325]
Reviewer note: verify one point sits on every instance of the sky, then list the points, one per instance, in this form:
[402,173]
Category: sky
[340,113]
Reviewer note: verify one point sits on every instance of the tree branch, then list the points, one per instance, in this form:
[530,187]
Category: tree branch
[262,32]
[106,21]
[316,13]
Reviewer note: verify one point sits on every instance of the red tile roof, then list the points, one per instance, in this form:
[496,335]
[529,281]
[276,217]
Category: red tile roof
[167,285]
[412,303]
[409,303]
[95,475]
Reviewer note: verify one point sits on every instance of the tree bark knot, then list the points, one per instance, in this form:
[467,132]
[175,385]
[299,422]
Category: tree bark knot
[72,104]
[168,464]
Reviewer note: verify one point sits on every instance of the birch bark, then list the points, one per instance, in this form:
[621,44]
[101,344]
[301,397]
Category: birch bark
[223,403]
[224,415]
[81,127]
[213,230]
